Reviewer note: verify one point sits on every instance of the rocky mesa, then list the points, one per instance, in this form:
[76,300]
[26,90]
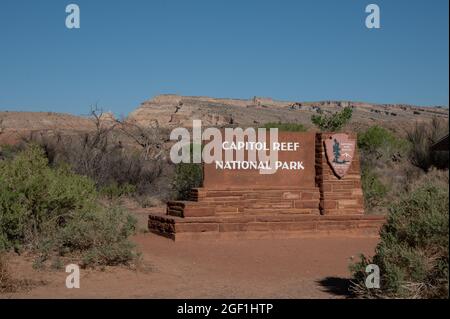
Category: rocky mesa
[171,110]
[175,110]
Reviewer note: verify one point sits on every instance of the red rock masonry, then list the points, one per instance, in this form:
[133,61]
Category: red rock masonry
[332,205]
[338,196]
[206,202]
[331,196]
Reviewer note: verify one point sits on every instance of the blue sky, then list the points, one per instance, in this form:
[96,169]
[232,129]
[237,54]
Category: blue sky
[128,51]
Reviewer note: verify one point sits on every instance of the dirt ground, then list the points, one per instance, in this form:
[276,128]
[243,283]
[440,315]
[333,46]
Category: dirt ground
[281,268]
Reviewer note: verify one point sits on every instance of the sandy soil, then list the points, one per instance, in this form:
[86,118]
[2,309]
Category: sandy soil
[282,268]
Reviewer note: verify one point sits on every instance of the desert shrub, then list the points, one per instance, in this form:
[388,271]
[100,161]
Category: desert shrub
[437,177]
[31,193]
[413,249]
[286,127]
[114,190]
[8,151]
[332,122]
[39,205]
[383,162]
[114,154]
[422,137]
[373,189]
[187,176]
[100,236]
[102,157]
[378,142]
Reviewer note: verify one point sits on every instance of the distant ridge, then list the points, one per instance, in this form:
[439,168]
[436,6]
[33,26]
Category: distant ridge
[176,110]
[171,110]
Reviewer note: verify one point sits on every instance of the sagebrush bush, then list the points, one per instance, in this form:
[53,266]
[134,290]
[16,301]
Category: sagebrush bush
[53,210]
[32,194]
[373,189]
[101,237]
[413,249]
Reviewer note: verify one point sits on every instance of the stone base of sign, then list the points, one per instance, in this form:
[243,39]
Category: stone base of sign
[329,205]
[254,226]
[205,202]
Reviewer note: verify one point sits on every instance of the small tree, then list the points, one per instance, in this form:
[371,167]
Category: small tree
[332,122]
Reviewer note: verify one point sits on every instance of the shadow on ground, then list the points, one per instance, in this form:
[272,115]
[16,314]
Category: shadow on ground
[336,286]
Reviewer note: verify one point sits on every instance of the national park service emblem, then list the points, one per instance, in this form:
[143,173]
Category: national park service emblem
[340,150]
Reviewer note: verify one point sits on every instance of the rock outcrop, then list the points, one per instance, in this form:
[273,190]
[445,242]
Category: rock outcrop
[171,111]
[175,110]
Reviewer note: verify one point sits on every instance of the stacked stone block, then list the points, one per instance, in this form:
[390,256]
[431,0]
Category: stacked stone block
[338,196]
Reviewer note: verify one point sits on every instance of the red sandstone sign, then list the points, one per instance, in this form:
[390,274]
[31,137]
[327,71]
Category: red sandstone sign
[312,198]
[340,151]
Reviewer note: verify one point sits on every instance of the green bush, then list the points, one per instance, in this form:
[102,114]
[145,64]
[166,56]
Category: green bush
[187,176]
[332,122]
[413,249]
[52,210]
[374,190]
[31,194]
[379,142]
[286,127]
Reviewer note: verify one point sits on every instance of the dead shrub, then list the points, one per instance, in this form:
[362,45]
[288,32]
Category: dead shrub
[118,156]
[421,138]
